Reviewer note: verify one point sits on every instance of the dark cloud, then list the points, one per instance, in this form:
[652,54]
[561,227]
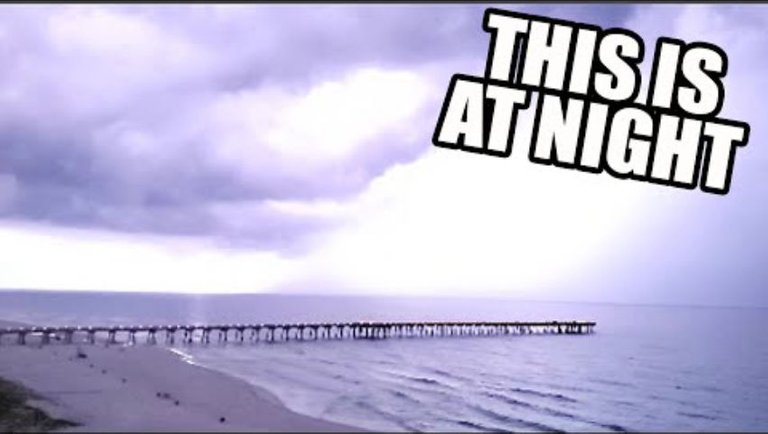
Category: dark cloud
[108,114]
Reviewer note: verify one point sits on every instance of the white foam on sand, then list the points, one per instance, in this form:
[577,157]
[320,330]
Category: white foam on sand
[145,388]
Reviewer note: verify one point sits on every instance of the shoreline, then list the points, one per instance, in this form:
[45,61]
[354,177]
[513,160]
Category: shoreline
[145,388]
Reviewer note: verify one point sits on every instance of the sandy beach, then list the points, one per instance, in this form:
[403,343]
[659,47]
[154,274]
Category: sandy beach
[144,388]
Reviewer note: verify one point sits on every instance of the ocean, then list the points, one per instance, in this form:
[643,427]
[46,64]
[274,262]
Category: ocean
[647,368]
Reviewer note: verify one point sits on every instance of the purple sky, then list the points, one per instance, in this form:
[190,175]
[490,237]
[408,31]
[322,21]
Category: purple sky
[287,148]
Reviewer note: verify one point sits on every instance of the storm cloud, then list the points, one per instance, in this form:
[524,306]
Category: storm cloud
[139,143]
[198,119]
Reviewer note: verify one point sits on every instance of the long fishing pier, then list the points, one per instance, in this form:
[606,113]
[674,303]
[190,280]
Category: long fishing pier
[204,334]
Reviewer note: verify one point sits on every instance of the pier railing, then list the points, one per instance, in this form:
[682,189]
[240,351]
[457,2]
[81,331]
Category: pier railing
[204,334]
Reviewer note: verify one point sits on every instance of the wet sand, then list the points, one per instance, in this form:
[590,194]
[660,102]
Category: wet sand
[144,388]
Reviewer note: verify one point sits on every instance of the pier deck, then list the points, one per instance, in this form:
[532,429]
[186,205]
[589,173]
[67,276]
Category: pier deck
[188,334]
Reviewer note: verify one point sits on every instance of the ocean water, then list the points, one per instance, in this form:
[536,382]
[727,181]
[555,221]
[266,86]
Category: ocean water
[646,367]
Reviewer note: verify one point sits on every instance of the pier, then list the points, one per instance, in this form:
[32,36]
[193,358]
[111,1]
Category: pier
[205,334]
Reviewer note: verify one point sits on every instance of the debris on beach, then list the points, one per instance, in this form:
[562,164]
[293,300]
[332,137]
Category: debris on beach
[81,354]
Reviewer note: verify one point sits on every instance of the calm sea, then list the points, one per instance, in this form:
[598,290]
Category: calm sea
[645,368]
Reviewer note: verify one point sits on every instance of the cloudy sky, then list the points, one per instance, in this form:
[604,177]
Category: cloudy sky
[287,148]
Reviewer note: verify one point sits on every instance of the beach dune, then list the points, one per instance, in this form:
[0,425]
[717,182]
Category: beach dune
[144,388]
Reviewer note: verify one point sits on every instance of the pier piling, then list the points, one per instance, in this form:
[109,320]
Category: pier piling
[270,333]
